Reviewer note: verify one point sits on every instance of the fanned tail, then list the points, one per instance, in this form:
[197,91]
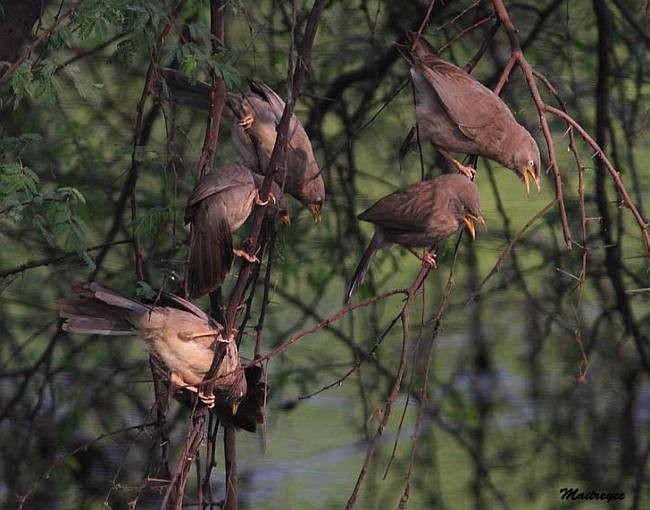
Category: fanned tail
[98,310]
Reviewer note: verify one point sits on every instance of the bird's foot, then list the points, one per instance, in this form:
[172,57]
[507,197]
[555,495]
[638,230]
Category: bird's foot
[247,121]
[429,259]
[250,258]
[208,400]
[467,171]
[192,336]
[261,202]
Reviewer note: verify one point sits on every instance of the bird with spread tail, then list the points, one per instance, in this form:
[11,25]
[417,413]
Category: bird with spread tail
[179,334]
[459,114]
[219,204]
[256,117]
[420,215]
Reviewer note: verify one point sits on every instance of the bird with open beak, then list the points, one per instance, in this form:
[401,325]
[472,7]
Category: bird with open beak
[180,335]
[420,215]
[256,117]
[219,204]
[459,114]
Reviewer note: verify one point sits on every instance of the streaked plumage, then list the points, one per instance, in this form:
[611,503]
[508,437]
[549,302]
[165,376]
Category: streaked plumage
[419,215]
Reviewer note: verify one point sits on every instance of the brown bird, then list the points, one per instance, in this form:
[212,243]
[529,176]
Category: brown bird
[420,215]
[257,115]
[219,204]
[182,336]
[459,114]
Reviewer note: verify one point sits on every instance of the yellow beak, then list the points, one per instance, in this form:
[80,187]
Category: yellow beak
[285,218]
[527,172]
[234,407]
[315,211]
[469,220]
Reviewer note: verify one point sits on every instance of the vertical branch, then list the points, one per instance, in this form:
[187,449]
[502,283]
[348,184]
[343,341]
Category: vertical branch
[140,135]
[518,56]
[612,250]
[388,404]
[304,58]
[217,91]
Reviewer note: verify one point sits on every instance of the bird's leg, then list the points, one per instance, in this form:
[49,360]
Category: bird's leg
[250,258]
[192,336]
[178,382]
[427,258]
[270,198]
[467,171]
[247,120]
[253,197]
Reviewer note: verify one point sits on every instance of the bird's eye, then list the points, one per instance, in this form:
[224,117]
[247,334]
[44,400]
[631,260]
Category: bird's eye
[531,163]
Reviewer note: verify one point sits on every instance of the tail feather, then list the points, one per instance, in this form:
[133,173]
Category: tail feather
[210,255]
[184,91]
[364,265]
[98,310]
[96,326]
[110,297]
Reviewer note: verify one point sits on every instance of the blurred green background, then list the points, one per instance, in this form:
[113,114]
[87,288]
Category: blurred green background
[506,423]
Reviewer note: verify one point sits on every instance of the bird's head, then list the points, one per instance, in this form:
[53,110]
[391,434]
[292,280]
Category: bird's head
[526,161]
[313,196]
[234,393]
[279,203]
[465,202]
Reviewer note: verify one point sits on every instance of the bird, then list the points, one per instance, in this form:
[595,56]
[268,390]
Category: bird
[179,334]
[254,129]
[420,215]
[457,113]
[219,204]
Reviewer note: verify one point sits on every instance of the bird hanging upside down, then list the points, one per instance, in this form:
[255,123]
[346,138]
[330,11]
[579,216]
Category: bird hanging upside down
[420,215]
[256,118]
[181,335]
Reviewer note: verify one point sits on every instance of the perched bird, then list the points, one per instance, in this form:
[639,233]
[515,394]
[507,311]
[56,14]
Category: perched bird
[257,115]
[420,215]
[459,114]
[219,204]
[182,336]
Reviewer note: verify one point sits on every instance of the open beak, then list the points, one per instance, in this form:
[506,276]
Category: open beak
[527,172]
[469,220]
[285,218]
[315,211]
[234,407]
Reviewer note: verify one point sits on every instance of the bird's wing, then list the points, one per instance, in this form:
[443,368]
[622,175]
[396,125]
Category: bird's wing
[299,144]
[183,304]
[220,179]
[477,111]
[406,210]
[270,96]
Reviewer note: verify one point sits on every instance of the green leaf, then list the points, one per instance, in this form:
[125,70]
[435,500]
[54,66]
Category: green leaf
[145,290]
[147,226]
